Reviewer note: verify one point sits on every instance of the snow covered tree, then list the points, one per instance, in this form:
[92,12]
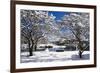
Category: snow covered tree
[36,25]
[78,24]
[50,30]
[31,27]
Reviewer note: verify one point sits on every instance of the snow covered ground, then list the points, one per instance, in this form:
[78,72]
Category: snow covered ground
[46,56]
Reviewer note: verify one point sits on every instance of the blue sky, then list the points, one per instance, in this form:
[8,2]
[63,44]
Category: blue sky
[58,14]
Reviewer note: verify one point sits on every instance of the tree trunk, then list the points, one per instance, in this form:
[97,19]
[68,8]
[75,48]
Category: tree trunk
[30,49]
[80,49]
[30,52]
[80,54]
[35,47]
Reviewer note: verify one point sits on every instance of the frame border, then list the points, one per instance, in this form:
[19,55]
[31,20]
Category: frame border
[13,35]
